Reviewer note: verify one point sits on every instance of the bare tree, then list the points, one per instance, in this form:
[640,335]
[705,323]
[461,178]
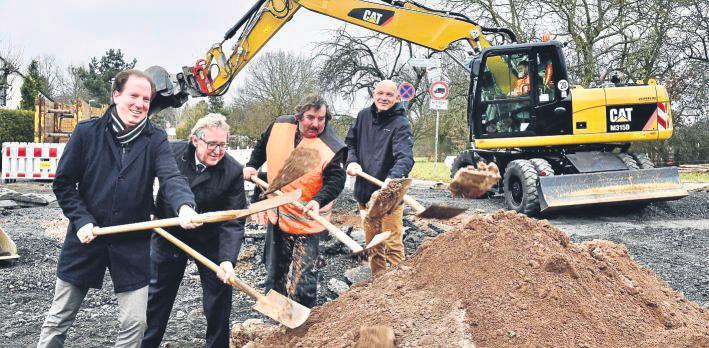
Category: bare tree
[10,63]
[274,84]
[72,86]
[353,63]
[523,17]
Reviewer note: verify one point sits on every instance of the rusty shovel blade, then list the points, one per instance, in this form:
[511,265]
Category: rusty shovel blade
[282,309]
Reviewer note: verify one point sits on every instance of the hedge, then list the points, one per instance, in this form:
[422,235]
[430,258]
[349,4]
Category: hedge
[16,126]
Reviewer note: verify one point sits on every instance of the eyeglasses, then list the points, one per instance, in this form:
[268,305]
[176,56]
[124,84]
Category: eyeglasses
[211,146]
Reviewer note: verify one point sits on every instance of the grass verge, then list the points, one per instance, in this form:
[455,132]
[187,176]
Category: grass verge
[423,170]
[694,177]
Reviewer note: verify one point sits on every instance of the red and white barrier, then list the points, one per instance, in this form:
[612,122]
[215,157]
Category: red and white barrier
[30,161]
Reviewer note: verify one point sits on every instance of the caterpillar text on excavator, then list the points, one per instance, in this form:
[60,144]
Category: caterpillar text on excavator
[555,146]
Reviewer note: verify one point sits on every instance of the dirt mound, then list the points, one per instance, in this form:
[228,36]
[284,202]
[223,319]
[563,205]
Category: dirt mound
[508,280]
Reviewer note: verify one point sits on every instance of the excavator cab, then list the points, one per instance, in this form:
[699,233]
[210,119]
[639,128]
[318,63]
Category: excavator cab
[554,152]
[516,92]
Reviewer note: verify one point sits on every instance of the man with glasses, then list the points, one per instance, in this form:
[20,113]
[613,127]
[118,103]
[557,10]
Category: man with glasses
[217,182]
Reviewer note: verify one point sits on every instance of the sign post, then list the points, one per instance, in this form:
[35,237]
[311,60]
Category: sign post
[439,92]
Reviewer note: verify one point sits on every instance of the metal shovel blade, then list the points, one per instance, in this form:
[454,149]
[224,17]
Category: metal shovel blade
[377,239]
[442,212]
[8,250]
[282,309]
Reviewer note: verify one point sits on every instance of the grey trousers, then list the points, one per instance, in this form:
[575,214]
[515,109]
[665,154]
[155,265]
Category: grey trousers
[67,300]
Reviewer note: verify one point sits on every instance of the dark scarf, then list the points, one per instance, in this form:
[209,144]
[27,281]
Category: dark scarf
[123,134]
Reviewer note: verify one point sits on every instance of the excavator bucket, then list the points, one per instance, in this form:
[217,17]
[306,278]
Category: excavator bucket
[644,185]
[8,250]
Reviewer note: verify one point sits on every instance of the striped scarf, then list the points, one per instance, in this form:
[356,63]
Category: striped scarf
[123,134]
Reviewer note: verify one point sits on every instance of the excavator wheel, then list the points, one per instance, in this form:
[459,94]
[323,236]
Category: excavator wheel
[643,161]
[629,161]
[520,183]
[542,166]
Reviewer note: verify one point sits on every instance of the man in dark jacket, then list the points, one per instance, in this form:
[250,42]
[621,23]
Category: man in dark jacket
[218,184]
[294,236]
[104,178]
[380,143]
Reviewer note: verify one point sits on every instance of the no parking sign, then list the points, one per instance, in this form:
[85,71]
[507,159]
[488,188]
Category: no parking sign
[406,91]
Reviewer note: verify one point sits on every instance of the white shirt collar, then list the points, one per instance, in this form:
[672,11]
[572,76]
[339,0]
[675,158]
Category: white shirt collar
[197,161]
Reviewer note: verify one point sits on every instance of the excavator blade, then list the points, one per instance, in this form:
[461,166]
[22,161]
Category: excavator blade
[573,190]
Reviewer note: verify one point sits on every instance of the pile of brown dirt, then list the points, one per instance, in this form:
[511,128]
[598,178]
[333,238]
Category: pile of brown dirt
[508,280]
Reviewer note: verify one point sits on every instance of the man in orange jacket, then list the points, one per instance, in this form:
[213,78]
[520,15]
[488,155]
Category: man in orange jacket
[522,85]
[294,237]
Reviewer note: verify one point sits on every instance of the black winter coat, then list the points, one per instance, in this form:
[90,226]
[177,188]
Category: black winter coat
[97,182]
[382,143]
[219,187]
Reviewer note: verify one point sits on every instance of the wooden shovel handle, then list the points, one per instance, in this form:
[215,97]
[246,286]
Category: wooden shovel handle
[334,230]
[207,262]
[418,207]
[217,216]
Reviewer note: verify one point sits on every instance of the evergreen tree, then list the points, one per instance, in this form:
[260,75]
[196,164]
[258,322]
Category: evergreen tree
[33,84]
[97,79]
[216,104]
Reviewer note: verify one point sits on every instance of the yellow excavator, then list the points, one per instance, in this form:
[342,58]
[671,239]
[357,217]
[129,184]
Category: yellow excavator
[555,146]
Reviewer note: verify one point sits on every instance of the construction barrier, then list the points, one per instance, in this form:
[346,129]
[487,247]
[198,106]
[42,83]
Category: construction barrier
[30,161]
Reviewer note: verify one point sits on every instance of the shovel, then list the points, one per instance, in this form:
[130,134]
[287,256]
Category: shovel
[8,249]
[217,216]
[336,232]
[435,211]
[274,305]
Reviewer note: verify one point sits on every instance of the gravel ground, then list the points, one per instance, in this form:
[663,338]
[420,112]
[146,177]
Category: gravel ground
[671,238]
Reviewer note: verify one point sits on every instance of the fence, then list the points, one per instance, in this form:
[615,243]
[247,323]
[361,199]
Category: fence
[30,161]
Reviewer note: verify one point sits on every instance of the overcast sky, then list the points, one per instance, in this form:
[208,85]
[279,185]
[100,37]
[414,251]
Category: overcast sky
[156,32]
[159,32]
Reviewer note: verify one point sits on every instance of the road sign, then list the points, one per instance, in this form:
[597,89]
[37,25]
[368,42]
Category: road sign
[437,104]
[433,74]
[406,91]
[439,90]
[425,62]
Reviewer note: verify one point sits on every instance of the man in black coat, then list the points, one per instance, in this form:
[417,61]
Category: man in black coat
[380,143]
[105,177]
[218,184]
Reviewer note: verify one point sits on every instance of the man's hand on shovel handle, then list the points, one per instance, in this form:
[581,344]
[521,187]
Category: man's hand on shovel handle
[313,206]
[186,215]
[249,172]
[353,168]
[226,273]
[86,233]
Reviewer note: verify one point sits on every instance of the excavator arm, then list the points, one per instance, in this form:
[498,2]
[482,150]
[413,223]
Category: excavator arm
[406,20]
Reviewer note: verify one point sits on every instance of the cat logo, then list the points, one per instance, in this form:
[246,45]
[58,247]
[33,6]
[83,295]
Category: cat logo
[372,15]
[620,115]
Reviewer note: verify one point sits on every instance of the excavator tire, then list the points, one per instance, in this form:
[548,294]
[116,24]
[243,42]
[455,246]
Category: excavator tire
[520,183]
[643,161]
[542,166]
[629,161]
